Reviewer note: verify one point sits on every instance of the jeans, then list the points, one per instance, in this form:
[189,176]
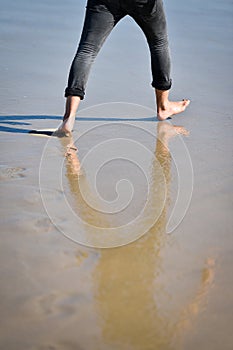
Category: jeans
[101,17]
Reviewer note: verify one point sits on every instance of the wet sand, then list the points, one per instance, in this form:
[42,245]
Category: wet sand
[163,291]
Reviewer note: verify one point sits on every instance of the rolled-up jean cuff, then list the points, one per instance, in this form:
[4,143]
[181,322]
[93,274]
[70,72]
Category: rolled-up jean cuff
[74,92]
[163,87]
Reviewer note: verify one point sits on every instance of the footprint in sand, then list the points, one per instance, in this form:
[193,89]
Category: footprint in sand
[7,173]
[44,224]
[56,304]
[68,345]
[47,304]
[46,347]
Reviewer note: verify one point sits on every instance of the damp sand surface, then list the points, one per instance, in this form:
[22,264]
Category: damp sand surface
[162,291]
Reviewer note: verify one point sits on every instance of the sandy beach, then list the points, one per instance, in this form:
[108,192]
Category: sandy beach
[126,243]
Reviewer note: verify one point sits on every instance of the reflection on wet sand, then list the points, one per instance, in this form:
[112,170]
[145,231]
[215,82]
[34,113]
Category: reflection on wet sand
[129,297]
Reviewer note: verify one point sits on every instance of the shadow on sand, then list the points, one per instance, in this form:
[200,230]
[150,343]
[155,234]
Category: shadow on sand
[8,123]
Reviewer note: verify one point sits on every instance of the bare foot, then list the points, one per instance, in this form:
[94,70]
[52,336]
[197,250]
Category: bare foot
[67,125]
[170,108]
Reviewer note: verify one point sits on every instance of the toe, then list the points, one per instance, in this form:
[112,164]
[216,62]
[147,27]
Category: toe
[186,102]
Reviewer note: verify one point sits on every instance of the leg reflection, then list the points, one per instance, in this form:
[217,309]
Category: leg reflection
[129,296]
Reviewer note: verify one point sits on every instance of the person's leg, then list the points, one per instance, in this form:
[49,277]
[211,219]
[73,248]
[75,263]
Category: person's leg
[152,21]
[99,21]
[72,103]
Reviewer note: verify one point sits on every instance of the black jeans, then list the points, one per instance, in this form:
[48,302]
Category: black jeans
[101,17]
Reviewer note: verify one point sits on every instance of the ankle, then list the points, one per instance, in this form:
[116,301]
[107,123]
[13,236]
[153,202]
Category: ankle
[68,116]
[163,106]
